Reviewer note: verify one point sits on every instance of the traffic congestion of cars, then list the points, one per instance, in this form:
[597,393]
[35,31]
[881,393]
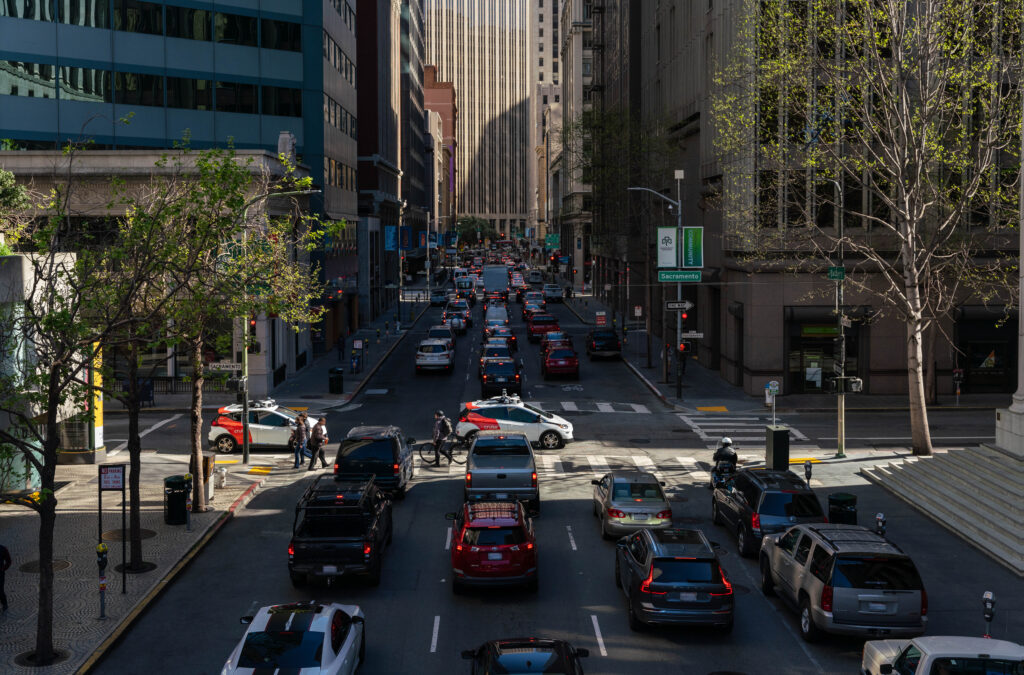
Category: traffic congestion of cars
[838,578]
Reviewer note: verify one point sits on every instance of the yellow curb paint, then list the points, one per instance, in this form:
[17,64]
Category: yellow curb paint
[713,408]
[227,461]
[260,470]
[801,460]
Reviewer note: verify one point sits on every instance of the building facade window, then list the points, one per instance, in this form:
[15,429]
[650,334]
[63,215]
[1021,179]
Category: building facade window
[133,16]
[183,92]
[138,89]
[38,10]
[85,84]
[283,35]
[541,64]
[235,29]
[284,101]
[187,23]
[346,12]
[336,56]
[236,97]
[19,78]
[91,13]
[554,66]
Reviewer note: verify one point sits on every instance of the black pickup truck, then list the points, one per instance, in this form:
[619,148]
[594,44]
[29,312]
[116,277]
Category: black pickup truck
[341,529]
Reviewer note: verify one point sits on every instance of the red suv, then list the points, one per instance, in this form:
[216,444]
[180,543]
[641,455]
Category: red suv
[538,325]
[493,544]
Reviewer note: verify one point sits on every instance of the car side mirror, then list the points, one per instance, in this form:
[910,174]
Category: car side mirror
[468,654]
[358,620]
[449,516]
[245,620]
[582,652]
[595,482]
[885,669]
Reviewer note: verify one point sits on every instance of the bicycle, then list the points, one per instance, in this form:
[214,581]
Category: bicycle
[458,455]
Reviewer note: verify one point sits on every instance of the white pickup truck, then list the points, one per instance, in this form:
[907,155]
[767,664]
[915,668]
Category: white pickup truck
[941,655]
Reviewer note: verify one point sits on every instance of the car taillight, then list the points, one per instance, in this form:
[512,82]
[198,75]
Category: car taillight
[620,344]
[755,521]
[533,479]
[615,513]
[394,469]
[826,599]
[664,514]
[517,376]
[924,602]
[291,550]
[725,582]
[469,479]
[529,546]
[335,468]
[458,547]
[645,585]
[367,547]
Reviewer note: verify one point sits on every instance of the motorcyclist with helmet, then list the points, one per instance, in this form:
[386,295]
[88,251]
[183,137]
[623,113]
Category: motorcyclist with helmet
[724,462]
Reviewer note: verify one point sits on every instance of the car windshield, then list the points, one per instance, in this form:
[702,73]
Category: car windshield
[884,573]
[790,504]
[329,522]
[461,304]
[524,660]
[493,536]
[605,335]
[545,319]
[433,349]
[540,412]
[563,354]
[494,446]
[492,352]
[267,651]
[641,492]
[675,571]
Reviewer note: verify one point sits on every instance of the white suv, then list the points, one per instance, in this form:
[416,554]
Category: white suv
[434,354]
[509,413]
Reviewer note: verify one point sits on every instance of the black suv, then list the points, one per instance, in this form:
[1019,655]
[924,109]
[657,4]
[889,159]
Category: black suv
[521,655]
[603,342]
[672,577]
[382,451]
[756,502]
[497,375]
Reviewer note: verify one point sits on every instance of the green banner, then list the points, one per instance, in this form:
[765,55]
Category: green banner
[693,247]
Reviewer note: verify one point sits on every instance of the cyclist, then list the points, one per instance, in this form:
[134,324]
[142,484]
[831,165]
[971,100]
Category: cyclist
[442,429]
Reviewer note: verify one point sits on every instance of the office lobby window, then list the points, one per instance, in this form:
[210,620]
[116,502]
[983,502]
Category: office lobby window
[19,78]
[183,92]
[235,29]
[285,101]
[188,23]
[91,13]
[134,16]
[138,89]
[85,84]
[236,97]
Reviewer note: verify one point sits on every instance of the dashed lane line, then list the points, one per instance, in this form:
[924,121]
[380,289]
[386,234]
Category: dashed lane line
[605,408]
[448,540]
[569,406]
[433,637]
[572,540]
[641,408]
[597,634]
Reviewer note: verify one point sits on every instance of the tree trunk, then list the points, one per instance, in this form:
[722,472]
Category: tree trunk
[135,460]
[196,418]
[931,391]
[47,520]
[921,438]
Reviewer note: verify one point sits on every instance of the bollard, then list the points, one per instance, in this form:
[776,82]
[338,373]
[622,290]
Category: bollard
[188,502]
[101,562]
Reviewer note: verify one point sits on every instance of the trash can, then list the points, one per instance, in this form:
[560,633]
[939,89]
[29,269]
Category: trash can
[209,463]
[336,380]
[842,508]
[175,489]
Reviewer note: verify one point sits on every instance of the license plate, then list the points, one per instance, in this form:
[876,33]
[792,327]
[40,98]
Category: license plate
[501,495]
[639,516]
[494,556]
[330,569]
[688,597]
[876,607]
[501,379]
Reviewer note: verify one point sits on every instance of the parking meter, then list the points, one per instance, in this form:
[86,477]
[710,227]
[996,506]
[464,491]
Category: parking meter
[807,471]
[880,524]
[988,603]
[101,562]
[101,558]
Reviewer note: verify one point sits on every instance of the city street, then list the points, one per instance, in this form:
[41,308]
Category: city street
[415,624]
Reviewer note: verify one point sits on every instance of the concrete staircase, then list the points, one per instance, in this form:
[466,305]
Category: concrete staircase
[977,493]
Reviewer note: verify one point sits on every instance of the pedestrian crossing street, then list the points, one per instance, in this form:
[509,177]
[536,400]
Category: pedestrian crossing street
[560,407]
[746,431]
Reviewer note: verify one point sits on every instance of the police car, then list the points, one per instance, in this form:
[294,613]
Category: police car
[509,413]
[301,638]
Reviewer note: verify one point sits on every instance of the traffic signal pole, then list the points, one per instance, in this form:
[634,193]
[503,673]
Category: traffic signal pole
[679,285]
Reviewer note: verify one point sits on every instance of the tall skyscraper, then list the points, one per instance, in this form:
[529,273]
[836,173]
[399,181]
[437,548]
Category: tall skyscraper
[485,48]
[546,97]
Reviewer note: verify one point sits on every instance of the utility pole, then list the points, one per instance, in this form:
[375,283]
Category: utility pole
[680,176]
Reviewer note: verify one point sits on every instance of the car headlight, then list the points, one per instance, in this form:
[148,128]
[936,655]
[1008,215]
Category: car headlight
[562,426]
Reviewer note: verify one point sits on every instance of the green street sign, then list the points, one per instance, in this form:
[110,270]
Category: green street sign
[677,276]
[553,240]
[693,247]
[836,273]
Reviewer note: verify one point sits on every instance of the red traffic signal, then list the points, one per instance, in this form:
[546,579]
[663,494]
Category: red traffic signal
[252,323]
[682,346]
[683,316]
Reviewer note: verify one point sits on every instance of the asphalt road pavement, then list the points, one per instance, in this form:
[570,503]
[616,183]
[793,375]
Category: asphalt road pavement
[414,622]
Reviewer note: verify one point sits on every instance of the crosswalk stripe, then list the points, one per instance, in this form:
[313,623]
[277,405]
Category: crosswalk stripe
[640,408]
[645,463]
[597,464]
[690,465]
[551,464]
[569,406]
[455,469]
[605,408]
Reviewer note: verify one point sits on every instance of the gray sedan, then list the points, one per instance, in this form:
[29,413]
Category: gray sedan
[627,501]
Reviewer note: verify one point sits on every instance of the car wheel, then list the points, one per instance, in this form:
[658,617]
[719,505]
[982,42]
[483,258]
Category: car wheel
[225,443]
[767,585]
[808,631]
[716,517]
[604,532]
[618,573]
[743,542]
[635,624]
[550,440]
[298,579]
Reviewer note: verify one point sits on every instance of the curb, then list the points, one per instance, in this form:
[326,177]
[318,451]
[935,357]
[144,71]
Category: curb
[578,315]
[654,390]
[162,585]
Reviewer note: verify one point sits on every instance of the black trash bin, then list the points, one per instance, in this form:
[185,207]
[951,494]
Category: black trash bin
[842,508]
[175,495]
[336,380]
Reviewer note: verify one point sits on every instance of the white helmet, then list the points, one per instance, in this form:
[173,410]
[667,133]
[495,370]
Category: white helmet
[726,441]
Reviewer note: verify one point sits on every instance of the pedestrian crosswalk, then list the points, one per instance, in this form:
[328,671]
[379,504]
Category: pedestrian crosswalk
[590,406]
[675,469]
[746,431]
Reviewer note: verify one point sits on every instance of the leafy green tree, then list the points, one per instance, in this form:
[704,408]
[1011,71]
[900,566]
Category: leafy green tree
[883,131]
[473,230]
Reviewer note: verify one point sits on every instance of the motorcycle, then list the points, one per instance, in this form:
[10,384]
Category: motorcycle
[721,473]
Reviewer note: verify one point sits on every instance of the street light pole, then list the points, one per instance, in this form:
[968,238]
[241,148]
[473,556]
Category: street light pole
[840,356]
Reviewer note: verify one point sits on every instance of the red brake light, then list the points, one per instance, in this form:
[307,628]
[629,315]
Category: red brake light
[615,513]
[517,376]
[924,602]
[755,521]
[664,514]
[529,546]
[335,467]
[728,586]
[291,550]
[458,547]
[645,586]
[394,469]
[469,479]
[826,599]
[533,477]
[367,547]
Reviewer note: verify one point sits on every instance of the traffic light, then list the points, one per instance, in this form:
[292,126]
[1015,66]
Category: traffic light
[682,347]
[252,326]
[684,316]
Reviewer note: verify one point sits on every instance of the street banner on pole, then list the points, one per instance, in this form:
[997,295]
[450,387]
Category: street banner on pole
[405,236]
[693,247]
[423,239]
[390,238]
[666,247]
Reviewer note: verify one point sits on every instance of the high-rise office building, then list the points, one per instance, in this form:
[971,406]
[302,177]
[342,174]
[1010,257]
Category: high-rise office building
[415,197]
[546,97]
[485,49]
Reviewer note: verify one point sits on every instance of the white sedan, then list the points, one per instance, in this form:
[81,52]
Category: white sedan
[302,638]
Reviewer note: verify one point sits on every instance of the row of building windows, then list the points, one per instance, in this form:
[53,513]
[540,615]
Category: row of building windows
[19,78]
[346,12]
[337,57]
[135,16]
[339,174]
[339,117]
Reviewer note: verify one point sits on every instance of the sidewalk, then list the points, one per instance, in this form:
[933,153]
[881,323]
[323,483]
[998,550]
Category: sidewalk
[704,388]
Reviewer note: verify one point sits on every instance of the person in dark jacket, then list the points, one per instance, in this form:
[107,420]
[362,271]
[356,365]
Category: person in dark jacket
[300,435]
[317,441]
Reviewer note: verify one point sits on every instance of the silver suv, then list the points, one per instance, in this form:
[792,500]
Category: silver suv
[844,579]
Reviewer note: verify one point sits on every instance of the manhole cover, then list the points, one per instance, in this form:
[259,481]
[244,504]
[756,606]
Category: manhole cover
[639,441]
[118,534]
[142,567]
[28,659]
[32,566]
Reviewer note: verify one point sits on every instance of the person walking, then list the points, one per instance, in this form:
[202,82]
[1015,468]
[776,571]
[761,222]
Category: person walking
[317,440]
[300,436]
[5,562]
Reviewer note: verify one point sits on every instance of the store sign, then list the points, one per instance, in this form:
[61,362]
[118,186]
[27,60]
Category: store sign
[666,247]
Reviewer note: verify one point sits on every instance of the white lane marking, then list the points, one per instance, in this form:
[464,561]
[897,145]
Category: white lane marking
[597,634]
[569,406]
[690,465]
[597,464]
[572,541]
[701,434]
[433,638]
[550,464]
[605,408]
[640,408]
[448,539]
[454,469]
[146,432]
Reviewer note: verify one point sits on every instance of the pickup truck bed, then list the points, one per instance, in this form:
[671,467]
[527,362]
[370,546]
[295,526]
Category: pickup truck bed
[502,469]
